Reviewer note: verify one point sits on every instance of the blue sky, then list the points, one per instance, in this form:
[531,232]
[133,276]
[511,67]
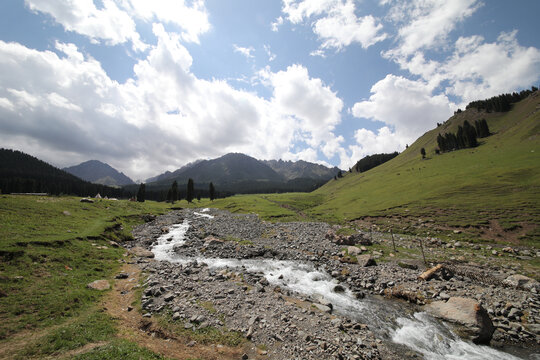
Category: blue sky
[148,86]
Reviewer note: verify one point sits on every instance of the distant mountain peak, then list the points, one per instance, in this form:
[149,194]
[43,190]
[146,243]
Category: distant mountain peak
[100,173]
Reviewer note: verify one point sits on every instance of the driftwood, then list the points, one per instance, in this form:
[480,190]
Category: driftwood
[428,274]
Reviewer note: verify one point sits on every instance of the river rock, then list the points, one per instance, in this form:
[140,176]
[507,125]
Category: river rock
[142,252]
[471,318]
[99,285]
[521,281]
[366,260]
[353,251]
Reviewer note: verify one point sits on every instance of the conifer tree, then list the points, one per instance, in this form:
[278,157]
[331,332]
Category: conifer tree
[423,152]
[174,191]
[190,190]
[212,192]
[141,193]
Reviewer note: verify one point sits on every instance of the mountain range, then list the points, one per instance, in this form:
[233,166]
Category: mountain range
[98,172]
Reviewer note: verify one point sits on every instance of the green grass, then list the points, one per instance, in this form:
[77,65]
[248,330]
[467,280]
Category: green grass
[95,327]
[50,249]
[119,350]
[205,335]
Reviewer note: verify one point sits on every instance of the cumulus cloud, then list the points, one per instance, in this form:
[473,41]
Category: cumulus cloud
[114,22]
[192,19]
[427,23]
[408,107]
[336,25]
[310,101]
[162,117]
[111,24]
[479,70]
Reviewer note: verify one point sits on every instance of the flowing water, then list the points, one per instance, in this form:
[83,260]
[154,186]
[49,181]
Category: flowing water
[419,331]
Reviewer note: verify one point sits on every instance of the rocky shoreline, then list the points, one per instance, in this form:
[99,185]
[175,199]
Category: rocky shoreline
[284,323]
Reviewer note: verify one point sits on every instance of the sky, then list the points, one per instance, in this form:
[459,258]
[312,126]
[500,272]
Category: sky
[148,86]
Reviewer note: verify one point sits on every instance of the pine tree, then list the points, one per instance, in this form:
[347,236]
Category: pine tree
[174,191]
[169,195]
[141,193]
[212,192]
[423,152]
[190,190]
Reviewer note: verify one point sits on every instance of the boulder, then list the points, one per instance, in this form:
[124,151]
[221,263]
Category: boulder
[366,260]
[99,285]
[521,282]
[350,240]
[353,251]
[85,200]
[142,252]
[471,319]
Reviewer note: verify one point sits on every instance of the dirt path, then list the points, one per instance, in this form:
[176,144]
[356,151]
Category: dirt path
[147,333]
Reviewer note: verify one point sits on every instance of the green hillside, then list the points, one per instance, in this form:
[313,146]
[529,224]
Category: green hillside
[497,181]
[491,191]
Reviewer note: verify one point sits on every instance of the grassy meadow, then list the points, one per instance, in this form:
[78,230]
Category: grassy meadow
[50,249]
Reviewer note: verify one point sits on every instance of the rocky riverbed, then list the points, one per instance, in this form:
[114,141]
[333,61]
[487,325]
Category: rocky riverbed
[299,291]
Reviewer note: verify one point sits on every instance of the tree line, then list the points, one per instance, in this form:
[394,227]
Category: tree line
[500,103]
[23,173]
[174,194]
[370,161]
[465,137]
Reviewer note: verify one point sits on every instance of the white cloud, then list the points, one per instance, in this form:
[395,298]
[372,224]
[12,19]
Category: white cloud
[247,52]
[479,70]
[193,20]
[271,55]
[315,105]
[110,23]
[341,27]
[427,22]
[65,105]
[114,21]
[276,24]
[337,24]
[408,106]
[369,142]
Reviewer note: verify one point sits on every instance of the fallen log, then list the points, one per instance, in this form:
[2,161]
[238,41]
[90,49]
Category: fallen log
[428,274]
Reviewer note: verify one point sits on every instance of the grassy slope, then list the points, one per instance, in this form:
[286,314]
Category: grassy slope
[499,180]
[46,259]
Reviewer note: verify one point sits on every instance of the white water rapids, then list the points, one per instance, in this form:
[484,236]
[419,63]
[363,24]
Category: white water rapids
[419,332]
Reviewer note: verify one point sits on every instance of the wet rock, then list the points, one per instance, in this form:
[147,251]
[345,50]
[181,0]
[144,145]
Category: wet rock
[471,318]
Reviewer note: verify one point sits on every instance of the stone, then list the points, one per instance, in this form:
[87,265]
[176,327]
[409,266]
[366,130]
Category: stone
[85,200]
[471,319]
[322,307]
[168,297]
[521,282]
[142,252]
[99,285]
[353,250]
[122,275]
[366,260]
